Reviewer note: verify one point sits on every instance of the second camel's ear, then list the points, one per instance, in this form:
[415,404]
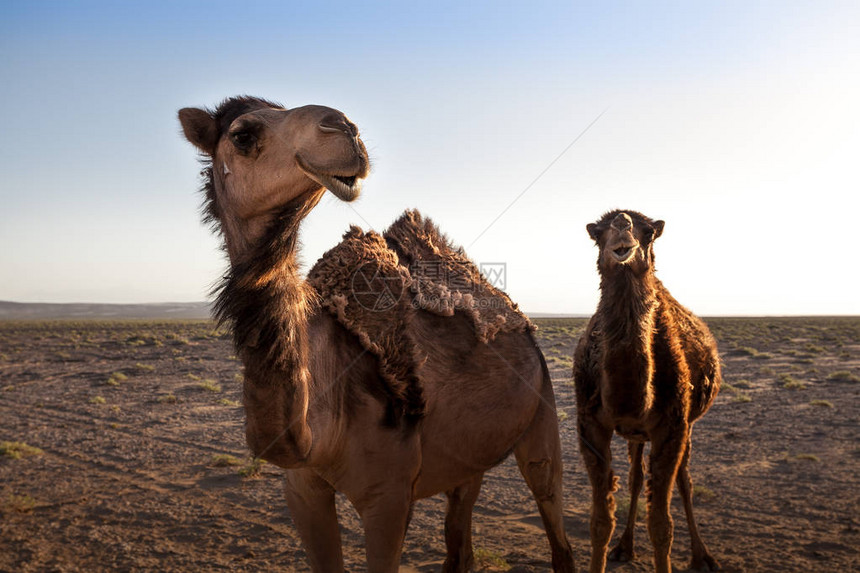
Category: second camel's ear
[200,128]
[658,228]
[594,231]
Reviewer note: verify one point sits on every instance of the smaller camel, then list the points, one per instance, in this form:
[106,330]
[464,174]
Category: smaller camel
[647,368]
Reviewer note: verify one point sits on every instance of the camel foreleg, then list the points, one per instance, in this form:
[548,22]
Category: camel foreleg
[594,444]
[385,517]
[312,505]
[667,450]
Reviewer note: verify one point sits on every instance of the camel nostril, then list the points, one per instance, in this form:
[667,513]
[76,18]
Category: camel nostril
[622,222]
[342,126]
[331,128]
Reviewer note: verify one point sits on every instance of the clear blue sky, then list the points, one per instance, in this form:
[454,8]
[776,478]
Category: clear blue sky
[736,122]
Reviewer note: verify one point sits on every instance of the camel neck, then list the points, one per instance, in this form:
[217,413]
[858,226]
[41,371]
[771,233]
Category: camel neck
[267,303]
[627,307]
[627,304]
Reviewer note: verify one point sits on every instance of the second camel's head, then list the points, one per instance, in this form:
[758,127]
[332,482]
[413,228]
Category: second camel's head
[626,240]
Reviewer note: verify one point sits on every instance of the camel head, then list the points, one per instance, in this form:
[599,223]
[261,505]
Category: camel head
[264,156]
[626,240]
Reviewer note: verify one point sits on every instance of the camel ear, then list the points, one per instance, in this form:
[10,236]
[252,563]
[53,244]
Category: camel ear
[594,231]
[200,128]
[658,228]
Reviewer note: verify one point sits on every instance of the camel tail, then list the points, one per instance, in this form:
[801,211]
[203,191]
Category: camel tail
[546,380]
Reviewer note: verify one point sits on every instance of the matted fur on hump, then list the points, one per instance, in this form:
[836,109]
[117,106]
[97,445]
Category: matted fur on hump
[361,283]
[445,280]
[374,286]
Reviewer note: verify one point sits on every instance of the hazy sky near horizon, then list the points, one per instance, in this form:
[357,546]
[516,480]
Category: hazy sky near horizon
[736,122]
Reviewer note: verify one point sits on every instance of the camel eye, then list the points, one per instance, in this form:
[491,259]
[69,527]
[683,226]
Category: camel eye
[243,140]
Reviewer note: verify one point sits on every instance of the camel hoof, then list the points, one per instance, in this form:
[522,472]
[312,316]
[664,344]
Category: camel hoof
[704,563]
[458,565]
[621,553]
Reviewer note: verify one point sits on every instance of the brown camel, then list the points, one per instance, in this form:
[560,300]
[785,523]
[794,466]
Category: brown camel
[647,368]
[387,399]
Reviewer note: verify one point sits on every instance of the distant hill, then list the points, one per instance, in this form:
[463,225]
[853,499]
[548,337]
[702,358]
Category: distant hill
[164,310]
[556,315]
[53,311]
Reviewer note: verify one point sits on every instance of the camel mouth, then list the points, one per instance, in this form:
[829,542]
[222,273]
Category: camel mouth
[344,187]
[623,253]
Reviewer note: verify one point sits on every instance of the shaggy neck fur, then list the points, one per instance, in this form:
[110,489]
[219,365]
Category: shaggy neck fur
[268,304]
[627,304]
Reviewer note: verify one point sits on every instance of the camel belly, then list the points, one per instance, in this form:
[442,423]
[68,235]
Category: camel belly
[632,432]
[480,398]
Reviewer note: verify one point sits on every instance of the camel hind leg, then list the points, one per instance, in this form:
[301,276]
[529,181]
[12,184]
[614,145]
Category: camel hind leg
[702,559]
[623,551]
[538,455]
[458,525]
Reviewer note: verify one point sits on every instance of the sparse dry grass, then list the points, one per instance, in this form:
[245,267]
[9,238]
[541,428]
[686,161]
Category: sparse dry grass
[487,559]
[20,503]
[167,399]
[209,385]
[18,450]
[252,469]
[843,376]
[225,460]
[116,378]
[703,494]
[790,383]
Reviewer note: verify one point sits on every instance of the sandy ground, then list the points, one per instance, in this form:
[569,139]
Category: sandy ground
[135,423]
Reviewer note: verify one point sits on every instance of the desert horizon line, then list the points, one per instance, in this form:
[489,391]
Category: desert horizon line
[201,304]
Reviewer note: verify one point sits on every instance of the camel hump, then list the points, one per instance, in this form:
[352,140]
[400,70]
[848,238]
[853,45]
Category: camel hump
[363,285]
[445,280]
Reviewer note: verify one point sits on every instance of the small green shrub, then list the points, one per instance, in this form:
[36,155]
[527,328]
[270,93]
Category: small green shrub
[97,400]
[807,457]
[485,558]
[229,403]
[144,367]
[21,503]
[209,385]
[225,460]
[18,450]
[822,403]
[843,376]
[252,469]
[742,398]
[791,383]
[702,493]
[167,399]
[116,378]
